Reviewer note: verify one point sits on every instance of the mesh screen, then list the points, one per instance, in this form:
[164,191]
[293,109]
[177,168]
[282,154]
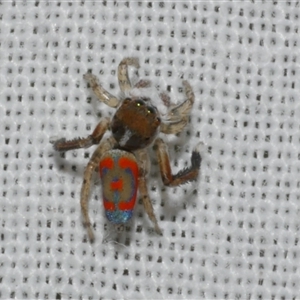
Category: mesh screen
[235,232]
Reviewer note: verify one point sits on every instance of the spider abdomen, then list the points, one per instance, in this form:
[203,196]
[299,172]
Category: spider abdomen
[119,174]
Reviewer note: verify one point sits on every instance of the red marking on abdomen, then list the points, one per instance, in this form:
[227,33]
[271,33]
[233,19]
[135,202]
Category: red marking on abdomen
[126,163]
[128,205]
[106,163]
[108,205]
[117,185]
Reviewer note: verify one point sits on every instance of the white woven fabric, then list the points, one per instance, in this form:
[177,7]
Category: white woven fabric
[234,234]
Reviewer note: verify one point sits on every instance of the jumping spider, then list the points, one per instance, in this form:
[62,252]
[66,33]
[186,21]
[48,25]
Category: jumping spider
[122,159]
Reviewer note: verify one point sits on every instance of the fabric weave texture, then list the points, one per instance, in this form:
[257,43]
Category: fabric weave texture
[233,234]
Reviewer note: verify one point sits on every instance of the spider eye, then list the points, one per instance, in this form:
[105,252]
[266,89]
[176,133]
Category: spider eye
[140,103]
[150,110]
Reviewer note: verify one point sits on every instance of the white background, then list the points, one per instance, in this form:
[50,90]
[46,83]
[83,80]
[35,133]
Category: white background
[235,232]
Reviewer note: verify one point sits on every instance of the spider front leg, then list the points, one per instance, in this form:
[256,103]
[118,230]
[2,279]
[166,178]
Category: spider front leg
[124,81]
[143,83]
[85,189]
[177,117]
[143,160]
[93,139]
[100,92]
[183,176]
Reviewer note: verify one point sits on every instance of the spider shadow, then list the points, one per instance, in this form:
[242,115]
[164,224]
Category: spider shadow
[172,206]
[172,200]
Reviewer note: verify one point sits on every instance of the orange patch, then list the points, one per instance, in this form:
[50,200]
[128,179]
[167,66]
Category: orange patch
[127,163]
[117,185]
[128,205]
[106,163]
[109,205]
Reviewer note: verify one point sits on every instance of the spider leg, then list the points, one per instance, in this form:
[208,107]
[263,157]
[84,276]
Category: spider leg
[165,99]
[100,92]
[124,81]
[85,189]
[183,176]
[143,160]
[143,83]
[177,117]
[93,139]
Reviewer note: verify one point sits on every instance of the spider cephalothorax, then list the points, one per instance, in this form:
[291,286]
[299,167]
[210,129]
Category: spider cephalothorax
[122,159]
[135,124]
